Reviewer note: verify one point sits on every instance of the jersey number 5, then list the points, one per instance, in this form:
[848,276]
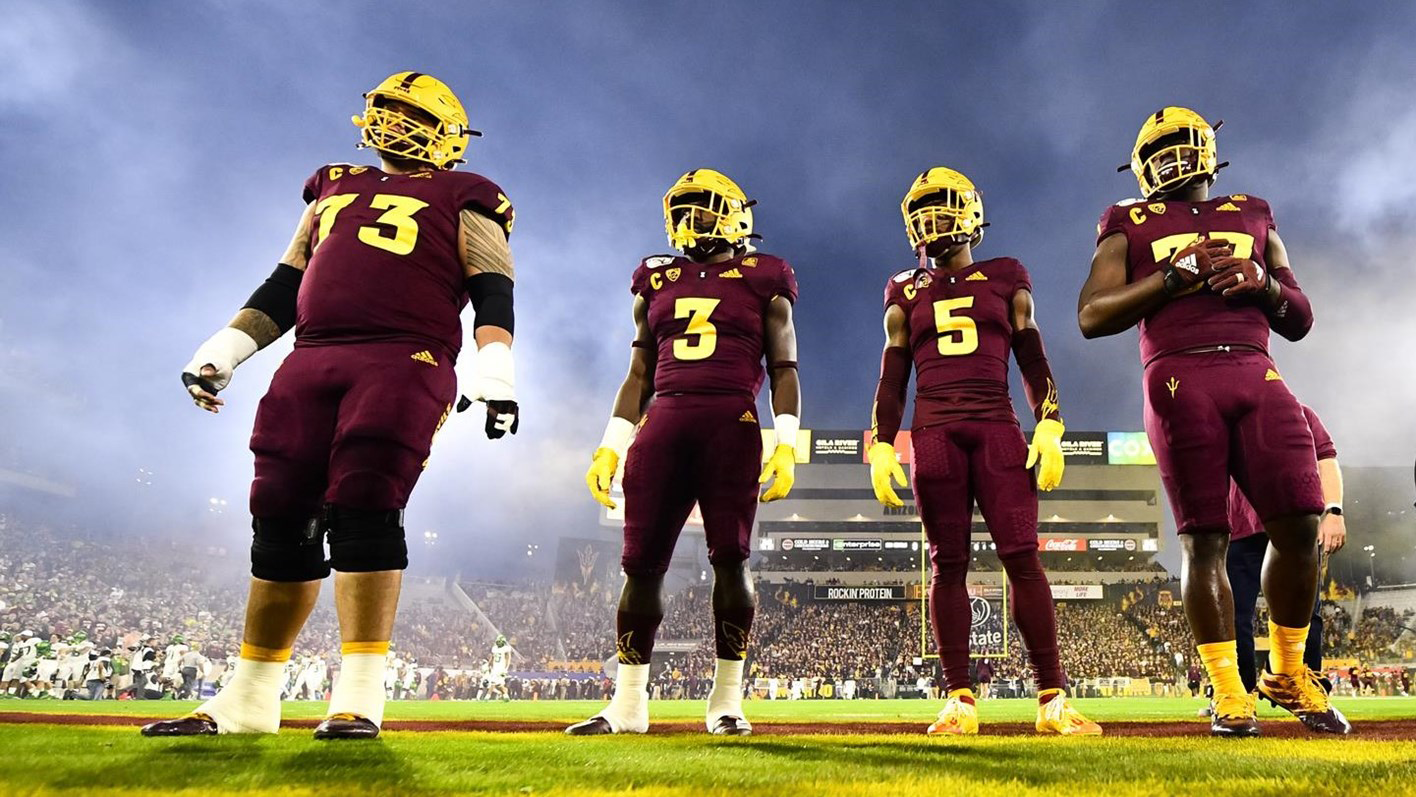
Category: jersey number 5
[398,214]
[958,334]
[699,327]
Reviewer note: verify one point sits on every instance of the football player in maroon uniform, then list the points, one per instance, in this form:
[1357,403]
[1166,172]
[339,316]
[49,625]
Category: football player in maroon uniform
[1206,279]
[703,323]
[381,264]
[954,321]
[1248,544]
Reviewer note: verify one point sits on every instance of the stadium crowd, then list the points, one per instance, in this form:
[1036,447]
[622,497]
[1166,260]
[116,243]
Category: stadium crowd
[166,622]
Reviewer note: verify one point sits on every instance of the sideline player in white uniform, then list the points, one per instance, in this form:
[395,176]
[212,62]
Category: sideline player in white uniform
[501,665]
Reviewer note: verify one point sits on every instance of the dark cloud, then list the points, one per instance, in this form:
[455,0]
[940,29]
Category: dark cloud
[153,155]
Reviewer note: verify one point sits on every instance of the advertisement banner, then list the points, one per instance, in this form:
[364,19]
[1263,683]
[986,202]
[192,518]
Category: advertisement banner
[1066,544]
[857,545]
[806,544]
[1129,448]
[1111,545]
[842,593]
[837,446]
[1084,448]
[1076,592]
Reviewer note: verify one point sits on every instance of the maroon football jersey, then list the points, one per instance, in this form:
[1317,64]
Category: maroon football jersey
[1243,520]
[708,319]
[385,263]
[1155,231]
[961,335]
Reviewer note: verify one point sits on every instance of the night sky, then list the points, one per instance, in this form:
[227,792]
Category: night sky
[154,152]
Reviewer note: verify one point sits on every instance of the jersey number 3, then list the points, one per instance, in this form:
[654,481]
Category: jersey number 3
[699,327]
[958,334]
[398,214]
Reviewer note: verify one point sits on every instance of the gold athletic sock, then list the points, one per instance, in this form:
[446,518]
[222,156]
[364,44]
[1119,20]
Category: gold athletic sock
[1286,648]
[251,652]
[1221,662]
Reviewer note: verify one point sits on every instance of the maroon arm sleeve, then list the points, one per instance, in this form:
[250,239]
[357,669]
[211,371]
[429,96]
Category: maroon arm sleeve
[1037,374]
[1293,316]
[889,410]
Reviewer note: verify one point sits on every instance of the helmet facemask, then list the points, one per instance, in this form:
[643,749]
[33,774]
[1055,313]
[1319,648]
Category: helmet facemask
[415,117]
[704,223]
[1176,157]
[945,219]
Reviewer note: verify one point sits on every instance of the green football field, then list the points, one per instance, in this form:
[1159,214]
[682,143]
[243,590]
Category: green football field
[1153,746]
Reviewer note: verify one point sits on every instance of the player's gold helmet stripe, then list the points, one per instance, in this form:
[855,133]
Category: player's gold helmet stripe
[1198,141]
[706,204]
[388,131]
[954,208]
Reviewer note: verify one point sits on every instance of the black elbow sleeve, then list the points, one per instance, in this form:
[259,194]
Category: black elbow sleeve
[491,296]
[276,296]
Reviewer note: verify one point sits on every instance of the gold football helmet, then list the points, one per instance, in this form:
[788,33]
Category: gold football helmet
[439,139]
[1175,145]
[705,205]
[943,204]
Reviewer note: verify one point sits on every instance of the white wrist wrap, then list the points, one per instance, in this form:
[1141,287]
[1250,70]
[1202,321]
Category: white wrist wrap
[225,350]
[617,435]
[496,373]
[787,427]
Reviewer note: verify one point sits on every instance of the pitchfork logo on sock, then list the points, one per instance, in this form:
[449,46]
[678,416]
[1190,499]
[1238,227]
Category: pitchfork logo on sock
[735,637]
[624,649]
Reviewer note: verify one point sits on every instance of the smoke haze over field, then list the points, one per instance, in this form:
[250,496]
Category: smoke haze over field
[153,155]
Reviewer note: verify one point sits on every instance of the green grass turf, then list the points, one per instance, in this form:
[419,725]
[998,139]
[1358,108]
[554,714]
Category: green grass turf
[53,759]
[847,711]
[44,759]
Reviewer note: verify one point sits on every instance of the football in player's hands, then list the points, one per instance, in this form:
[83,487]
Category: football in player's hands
[503,417]
[1236,276]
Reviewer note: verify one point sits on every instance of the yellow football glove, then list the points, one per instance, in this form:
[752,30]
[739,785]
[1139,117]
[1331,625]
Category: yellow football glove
[884,466]
[782,464]
[601,473]
[1047,445]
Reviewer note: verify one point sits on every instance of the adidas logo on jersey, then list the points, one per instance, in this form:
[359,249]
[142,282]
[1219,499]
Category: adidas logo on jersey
[1272,376]
[425,356]
[1228,206]
[731,273]
[977,276]
[748,417]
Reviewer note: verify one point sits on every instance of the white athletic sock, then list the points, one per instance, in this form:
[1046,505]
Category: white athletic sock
[359,689]
[250,703]
[726,698]
[628,711]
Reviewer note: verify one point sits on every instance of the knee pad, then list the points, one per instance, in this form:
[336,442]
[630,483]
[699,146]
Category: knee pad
[288,549]
[1022,564]
[365,541]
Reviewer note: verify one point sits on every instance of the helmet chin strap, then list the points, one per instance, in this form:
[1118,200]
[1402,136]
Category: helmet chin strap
[706,247]
[923,258]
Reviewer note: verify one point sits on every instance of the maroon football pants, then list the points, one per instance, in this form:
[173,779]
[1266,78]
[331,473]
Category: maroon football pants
[350,425]
[703,448]
[954,465]
[1215,415]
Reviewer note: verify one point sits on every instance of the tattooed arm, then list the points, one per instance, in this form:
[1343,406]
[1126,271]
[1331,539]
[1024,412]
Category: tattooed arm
[487,264]
[267,315]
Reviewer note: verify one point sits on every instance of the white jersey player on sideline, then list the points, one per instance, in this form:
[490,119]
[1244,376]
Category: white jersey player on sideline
[501,665]
[391,667]
[312,677]
[172,662]
[74,661]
